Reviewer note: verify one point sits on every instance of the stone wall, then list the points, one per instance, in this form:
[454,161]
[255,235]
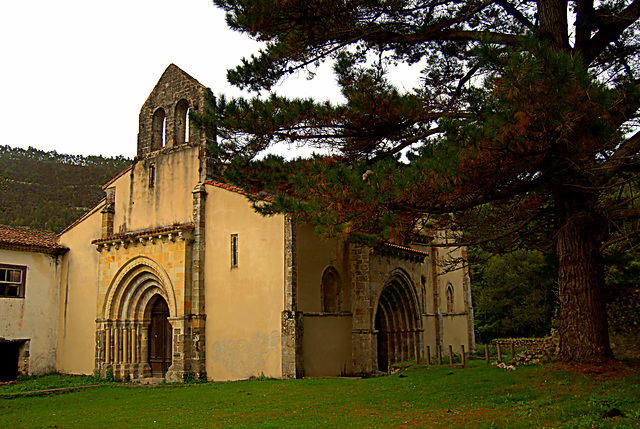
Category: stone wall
[537,350]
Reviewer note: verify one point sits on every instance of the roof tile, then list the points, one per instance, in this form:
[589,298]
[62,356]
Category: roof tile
[29,239]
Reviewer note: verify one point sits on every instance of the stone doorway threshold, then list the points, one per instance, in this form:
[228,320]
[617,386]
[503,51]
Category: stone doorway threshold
[148,381]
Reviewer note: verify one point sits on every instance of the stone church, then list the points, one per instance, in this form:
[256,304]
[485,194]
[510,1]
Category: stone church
[173,274]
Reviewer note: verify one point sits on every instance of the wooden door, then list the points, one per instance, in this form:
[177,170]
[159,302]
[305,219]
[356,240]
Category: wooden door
[159,339]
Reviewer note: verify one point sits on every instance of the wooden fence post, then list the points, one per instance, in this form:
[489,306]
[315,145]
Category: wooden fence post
[499,352]
[439,350]
[450,355]
[486,353]
[428,355]
[513,351]
[464,356]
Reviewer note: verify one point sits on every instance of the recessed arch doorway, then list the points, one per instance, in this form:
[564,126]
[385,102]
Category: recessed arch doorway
[133,330]
[397,323]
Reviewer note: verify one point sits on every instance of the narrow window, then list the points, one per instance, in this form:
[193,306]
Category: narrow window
[158,130]
[234,250]
[152,175]
[12,281]
[331,291]
[182,122]
[450,307]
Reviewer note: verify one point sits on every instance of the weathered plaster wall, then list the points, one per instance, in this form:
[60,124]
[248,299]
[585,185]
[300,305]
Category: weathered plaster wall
[244,303]
[327,345]
[78,296]
[315,255]
[168,202]
[33,317]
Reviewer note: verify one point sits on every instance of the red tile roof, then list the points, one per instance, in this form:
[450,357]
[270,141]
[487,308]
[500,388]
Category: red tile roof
[29,240]
[402,252]
[405,249]
[237,189]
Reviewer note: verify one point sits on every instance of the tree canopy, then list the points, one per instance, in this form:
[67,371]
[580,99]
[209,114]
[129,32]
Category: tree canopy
[522,132]
[513,295]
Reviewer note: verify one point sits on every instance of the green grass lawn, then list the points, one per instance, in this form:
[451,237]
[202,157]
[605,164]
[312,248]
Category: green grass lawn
[478,396]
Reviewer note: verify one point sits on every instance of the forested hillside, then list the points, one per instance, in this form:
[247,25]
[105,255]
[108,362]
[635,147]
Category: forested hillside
[47,190]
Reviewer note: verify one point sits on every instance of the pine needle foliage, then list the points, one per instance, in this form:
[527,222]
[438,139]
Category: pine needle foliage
[521,134]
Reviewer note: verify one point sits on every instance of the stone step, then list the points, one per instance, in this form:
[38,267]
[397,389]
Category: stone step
[151,381]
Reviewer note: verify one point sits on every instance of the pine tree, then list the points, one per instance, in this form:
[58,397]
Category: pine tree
[522,133]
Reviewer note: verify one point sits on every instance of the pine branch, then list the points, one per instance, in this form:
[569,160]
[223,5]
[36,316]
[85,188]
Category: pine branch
[612,30]
[623,156]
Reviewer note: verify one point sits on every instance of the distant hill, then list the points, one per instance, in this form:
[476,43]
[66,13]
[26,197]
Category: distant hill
[48,190]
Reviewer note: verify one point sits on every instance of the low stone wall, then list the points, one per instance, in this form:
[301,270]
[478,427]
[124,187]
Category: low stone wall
[537,350]
[522,343]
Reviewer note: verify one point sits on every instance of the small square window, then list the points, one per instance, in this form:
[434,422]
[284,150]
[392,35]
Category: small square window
[12,281]
[234,250]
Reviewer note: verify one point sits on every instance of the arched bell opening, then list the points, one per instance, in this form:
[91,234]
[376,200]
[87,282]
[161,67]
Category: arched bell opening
[397,324]
[181,123]
[158,128]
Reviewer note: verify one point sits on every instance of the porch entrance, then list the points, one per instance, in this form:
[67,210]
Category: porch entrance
[397,324]
[160,338]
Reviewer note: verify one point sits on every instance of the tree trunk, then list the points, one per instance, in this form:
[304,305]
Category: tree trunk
[583,327]
[552,15]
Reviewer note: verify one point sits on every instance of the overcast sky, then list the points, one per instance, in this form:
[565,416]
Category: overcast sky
[75,73]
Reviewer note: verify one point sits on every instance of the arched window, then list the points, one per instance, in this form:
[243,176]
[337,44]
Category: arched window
[157,129]
[449,294]
[182,122]
[331,290]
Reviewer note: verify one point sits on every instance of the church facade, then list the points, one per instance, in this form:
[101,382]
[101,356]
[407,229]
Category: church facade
[173,274]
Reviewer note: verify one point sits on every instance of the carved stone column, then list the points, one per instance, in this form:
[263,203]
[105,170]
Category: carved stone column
[144,368]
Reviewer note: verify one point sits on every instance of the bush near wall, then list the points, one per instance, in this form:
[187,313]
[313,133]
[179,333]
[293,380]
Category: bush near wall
[623,309]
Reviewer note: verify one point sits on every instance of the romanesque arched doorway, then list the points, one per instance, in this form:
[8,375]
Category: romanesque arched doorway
[133,331]
[397,324]
[159,338]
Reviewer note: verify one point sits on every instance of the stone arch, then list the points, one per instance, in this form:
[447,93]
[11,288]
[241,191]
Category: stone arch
[181,122]
[398,323]
[331,291]
[134,282]
[158,125]
[122,327]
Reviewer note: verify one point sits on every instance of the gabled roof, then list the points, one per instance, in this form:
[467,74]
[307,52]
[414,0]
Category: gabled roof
[30,240]
[172,68]
[171,72]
